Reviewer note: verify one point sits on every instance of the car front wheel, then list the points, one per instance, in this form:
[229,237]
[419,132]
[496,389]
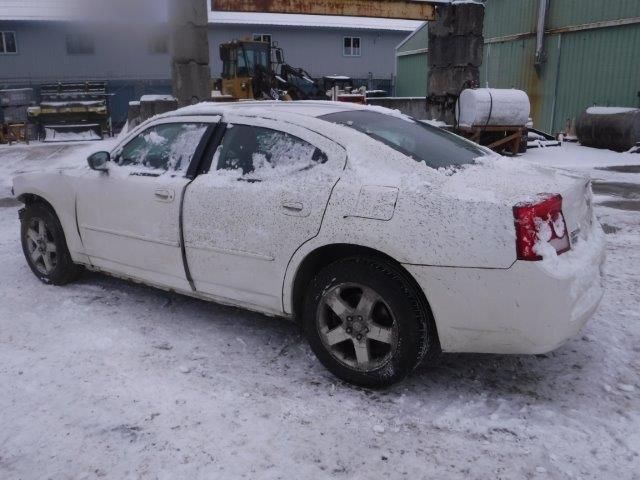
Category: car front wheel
[45,247]
[366,322]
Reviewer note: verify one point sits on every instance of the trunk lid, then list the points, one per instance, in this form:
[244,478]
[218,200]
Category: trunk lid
[508,182]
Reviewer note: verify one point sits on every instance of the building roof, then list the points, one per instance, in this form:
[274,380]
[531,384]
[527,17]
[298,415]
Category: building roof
[325,21]
[60,10]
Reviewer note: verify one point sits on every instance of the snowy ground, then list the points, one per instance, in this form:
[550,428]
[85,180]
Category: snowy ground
[108,379]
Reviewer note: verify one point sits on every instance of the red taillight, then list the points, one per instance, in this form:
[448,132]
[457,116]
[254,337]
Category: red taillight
[538,225]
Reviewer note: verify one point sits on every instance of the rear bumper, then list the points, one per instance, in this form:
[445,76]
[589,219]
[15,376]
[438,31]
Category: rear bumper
[530,308]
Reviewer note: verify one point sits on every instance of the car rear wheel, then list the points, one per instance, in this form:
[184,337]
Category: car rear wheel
[45,247]
[365,321]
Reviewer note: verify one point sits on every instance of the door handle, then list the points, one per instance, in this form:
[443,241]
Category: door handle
[164,195]
[295,209]
[293,206]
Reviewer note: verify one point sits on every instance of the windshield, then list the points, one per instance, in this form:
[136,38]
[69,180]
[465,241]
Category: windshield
[424,143]
[256,57]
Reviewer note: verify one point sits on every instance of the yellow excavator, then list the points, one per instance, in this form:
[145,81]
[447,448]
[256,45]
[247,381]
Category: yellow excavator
[254,70]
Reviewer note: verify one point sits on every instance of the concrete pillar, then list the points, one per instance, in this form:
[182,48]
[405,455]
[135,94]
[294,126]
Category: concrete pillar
[190,69]
[455,55]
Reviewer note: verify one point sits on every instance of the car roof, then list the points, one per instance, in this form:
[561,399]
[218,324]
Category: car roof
[310,108]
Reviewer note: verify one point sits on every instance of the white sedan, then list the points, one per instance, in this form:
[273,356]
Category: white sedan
[388,240]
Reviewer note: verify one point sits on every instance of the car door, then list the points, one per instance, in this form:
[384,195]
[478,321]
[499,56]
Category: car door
[129,217]
[264,196]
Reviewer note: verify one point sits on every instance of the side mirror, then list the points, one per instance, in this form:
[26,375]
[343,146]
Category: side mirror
[98,161]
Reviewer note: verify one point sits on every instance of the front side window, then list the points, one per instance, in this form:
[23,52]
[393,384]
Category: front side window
[261,152]
[168,147]
[253,59]
[351,47]
[8,43]
[424,143]
[80,44]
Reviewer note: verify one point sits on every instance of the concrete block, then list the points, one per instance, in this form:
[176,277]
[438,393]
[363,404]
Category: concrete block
[461,19]
[451,80]
[457,51]
[134,114]
[190,43]
[194,12]
[191,82]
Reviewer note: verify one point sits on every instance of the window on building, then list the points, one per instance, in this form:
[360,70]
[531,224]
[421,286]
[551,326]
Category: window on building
[8,42]
[351,46]
[158,43]
[80,44]
[262,37]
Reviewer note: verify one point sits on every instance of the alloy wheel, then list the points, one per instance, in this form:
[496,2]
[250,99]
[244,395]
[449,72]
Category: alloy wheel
[357,327]
[41,246]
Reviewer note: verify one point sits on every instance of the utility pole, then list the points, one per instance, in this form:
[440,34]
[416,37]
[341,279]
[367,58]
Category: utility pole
[190,71]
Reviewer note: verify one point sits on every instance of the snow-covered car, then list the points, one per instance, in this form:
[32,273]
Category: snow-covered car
[387,239]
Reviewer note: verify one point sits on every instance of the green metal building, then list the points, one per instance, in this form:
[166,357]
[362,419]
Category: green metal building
[412,64]
[591,56]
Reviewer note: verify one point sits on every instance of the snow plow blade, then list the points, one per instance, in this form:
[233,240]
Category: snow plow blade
[72,133]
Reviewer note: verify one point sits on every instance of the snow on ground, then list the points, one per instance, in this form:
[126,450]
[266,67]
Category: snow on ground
[106,379]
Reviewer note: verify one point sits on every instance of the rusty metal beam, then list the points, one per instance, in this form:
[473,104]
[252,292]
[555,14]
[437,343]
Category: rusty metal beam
[398,9]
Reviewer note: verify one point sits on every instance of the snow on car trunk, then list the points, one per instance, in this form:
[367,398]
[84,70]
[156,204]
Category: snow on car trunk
[496,185]
[507,183]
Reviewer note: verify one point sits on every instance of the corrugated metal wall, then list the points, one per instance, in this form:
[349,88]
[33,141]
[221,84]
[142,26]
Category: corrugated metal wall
[412,75]
[583,68]
[594,66]
[412,65]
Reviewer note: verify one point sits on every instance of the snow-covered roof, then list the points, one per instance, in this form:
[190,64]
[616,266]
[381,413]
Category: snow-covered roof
[325,21]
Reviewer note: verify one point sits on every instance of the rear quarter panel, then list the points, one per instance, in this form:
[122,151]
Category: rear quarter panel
[427,227]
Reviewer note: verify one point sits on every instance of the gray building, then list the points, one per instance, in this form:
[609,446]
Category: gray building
[45,41]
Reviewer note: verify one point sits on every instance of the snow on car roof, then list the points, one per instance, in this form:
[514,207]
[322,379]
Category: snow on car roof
[305,108]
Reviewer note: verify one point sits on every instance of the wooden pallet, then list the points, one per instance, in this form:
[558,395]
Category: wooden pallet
[14,132]
[510,138]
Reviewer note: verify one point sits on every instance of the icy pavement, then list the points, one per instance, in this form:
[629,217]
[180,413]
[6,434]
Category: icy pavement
[105,379]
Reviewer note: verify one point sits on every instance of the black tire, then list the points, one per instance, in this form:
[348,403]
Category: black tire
[408,326]
[60,269]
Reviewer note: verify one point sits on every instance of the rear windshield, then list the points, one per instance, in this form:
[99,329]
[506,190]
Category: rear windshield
[424,143]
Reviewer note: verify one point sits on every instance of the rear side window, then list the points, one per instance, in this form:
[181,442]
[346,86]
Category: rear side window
[264,152]
[424,143]
[163,147]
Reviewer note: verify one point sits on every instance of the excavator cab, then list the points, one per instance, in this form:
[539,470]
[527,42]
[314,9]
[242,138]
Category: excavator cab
[246,69]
